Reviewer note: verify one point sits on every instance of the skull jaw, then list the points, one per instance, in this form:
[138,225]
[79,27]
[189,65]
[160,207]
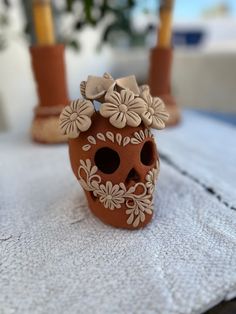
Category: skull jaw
[117,217]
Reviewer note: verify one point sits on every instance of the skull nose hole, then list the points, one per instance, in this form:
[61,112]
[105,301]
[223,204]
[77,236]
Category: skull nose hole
[132,176]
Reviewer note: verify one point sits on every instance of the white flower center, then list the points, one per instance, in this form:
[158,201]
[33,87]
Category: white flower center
[73,116]
[151,110]
[123,108]
[109,197]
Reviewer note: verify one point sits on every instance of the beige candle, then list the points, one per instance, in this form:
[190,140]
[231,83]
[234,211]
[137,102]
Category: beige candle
[43,22]
[165,27]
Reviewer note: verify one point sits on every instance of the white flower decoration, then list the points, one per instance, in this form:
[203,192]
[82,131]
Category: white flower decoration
[155,114]
[76,117]
[123,108]
[151,178]
[111,195]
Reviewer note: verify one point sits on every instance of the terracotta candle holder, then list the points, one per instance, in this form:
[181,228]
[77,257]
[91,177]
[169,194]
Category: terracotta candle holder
[49,71]
[161,62]
[112,151]
[160,80]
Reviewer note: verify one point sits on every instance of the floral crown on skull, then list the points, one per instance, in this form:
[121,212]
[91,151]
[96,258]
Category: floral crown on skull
[122,101]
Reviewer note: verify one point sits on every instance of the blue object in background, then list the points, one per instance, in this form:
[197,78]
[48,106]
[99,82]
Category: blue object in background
[187,37]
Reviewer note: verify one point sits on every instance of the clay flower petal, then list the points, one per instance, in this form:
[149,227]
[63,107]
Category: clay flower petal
[83,122]
[86,108]
[133,119]
[155,114]
[160,113]
[126,96]
[76,117]
[69,128]
[114,98]
[137,105]
[118,120]
[108,109]
[158,123]
[145,94]
[147,118]
[123,108]
[96,87]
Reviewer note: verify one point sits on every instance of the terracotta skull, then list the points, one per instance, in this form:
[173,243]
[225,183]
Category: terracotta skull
[112,151]
[117,170]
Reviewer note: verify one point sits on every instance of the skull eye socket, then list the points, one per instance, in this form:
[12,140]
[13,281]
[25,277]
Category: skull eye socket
[147,153]
[107,160]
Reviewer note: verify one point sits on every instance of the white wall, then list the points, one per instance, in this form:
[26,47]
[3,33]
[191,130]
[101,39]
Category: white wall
[205,80]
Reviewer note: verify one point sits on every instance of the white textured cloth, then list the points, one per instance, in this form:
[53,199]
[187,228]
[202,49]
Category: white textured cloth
[56,257]
[206,150]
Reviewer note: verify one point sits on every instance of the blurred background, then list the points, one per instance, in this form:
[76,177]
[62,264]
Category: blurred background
[116,36]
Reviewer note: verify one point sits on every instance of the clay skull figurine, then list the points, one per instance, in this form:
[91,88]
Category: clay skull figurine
[112,150]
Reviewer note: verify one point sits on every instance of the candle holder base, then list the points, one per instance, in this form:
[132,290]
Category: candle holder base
[45,130]
[172,108]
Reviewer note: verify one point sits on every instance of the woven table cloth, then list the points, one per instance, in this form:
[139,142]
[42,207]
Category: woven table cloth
[56,257]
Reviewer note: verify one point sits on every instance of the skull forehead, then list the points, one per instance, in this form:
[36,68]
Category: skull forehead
[88,143]
[102,125]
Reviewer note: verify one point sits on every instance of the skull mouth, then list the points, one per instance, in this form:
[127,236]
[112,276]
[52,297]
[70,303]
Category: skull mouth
[137,198]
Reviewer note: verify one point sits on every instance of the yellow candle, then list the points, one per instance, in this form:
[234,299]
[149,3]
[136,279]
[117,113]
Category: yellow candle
[165,27]
[43,22]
